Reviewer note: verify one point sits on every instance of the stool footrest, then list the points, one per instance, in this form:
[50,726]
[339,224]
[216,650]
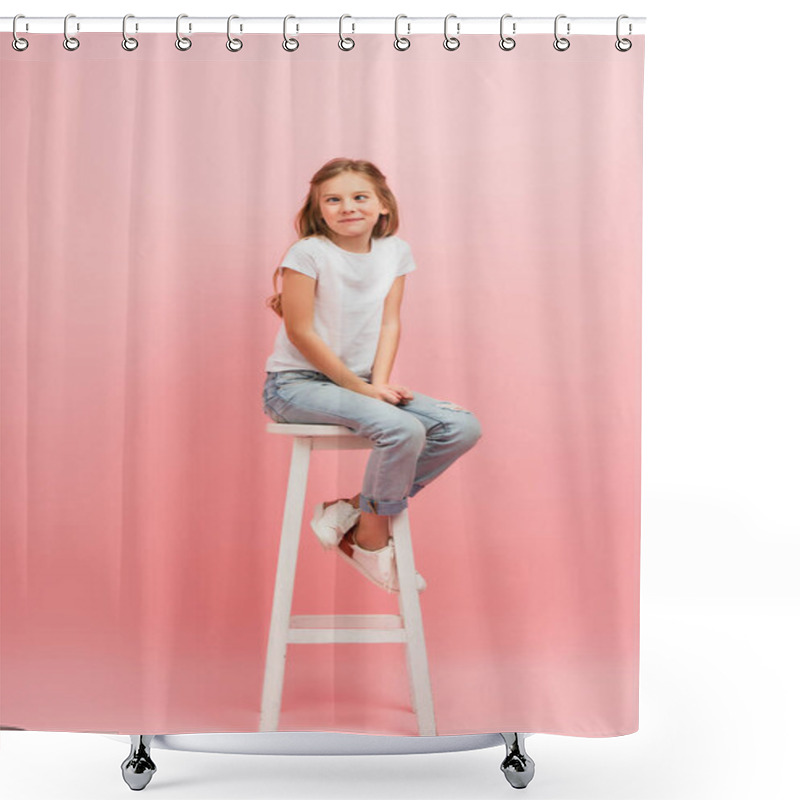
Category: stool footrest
[324,628]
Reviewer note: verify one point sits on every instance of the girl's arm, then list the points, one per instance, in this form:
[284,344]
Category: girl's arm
[390,333]
[297,302]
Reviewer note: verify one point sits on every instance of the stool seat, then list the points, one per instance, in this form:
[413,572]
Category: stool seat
[322,437]
[405,628]
[308,429]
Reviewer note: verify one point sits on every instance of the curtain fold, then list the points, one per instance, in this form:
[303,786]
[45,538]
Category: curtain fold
[147,198]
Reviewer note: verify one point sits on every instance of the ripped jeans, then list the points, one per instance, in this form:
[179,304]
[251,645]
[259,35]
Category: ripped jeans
[413,442]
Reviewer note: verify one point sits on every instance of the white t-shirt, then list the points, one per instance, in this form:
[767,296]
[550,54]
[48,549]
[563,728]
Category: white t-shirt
[348,299]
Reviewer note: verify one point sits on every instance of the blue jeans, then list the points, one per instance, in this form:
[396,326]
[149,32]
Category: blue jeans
[413,442]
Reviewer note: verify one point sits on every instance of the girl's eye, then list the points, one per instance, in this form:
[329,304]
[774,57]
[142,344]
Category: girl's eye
[329,199]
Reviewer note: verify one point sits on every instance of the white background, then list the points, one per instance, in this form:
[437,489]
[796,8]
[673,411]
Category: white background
[719,622]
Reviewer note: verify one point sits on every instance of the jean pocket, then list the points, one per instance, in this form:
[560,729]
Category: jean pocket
[269,410]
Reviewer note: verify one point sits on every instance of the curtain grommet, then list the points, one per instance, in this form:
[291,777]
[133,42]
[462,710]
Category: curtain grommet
[233,44]
[345,42]
[506,42]
[17,42]
[129,43]
[406,43]
[182,42]
[451,42]
[70,42]
[623,45]
[561,43]
[290,44]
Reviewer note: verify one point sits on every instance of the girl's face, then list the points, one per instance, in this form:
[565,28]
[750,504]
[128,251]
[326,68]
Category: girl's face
[351,208]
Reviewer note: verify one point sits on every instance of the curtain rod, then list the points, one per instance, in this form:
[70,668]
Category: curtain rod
[351,24]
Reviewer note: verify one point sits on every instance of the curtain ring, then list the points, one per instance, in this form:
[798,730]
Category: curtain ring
[234,45]
[17,42]
[350,42]
[623,45]
[70,42]
[451,42]
[506,42]
[128,42]
[560,42]
[289,44]
[397,38]
[182,42]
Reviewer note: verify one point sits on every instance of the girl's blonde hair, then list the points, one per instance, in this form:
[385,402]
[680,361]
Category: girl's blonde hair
[309,220]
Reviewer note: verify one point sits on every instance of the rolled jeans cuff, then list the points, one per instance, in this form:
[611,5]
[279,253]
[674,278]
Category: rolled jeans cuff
[382,507]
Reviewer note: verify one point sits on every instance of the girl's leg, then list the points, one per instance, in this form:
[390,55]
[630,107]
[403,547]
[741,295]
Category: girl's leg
[451,431]
[371,531]
[398,441]
[407,455]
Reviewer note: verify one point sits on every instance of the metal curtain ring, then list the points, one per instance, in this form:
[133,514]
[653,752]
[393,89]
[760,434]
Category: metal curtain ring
[234,45]
[506,42]
[623,45]
[346,43]
[17,42]
[70,42]
[560,43]
[128,42]
[290,45]
[182,42]
[451,42]
[406,43]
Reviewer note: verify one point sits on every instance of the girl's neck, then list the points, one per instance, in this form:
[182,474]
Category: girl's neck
[361,245]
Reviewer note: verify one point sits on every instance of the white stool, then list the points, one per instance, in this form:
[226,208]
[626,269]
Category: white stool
[325,628]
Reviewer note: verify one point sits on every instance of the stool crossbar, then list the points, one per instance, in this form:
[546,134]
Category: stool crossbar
[286,629]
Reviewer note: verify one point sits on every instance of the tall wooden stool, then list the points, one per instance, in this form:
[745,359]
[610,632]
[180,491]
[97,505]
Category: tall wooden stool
[286,629]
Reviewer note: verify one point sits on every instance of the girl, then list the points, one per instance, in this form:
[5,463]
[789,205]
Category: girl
[333,354]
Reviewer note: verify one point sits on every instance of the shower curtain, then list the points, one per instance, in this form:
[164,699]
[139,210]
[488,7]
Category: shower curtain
[147,198]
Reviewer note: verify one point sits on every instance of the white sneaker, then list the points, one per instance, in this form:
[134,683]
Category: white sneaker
[379,566]
[331,523]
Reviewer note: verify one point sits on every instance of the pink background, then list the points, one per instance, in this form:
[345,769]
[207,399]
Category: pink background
[146,199]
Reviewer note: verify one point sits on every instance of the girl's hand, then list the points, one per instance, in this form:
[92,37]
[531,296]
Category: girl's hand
[392,393]
[405,393]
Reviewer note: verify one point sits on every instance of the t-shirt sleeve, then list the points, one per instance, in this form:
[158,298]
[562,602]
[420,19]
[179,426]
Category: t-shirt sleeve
[301,258]
[405,263]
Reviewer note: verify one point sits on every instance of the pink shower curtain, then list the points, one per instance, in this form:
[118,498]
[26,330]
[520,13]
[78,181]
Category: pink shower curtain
[147,198]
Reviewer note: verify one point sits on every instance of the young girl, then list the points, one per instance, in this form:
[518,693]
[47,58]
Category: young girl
[333,355]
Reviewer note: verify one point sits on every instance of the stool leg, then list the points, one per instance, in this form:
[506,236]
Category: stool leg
[284,584]
[410,672]
[416,657]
